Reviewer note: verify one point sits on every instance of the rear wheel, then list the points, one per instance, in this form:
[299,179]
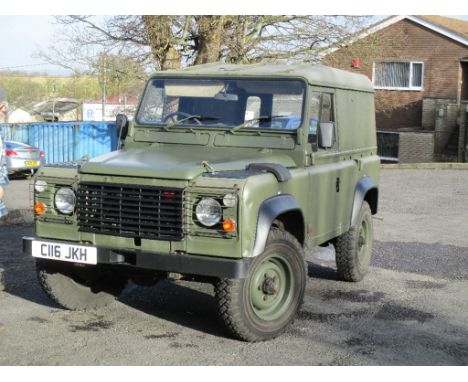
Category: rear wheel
[262,305]
[354,248]
[76,287]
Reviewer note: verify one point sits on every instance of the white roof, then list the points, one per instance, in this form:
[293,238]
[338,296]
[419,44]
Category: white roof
[19,116]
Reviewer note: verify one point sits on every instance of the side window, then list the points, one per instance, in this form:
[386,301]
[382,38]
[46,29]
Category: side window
[252,110]
[326,110]
[314,115]
[326,116]
[320,110]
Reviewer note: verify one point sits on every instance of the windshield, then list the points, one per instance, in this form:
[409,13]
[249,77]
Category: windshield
[246,103]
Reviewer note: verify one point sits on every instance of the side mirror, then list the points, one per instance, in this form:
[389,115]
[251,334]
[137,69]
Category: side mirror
[326,135]
[121,124]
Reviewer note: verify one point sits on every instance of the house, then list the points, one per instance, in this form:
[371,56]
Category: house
[3,106]
[20,116]
[419,68]
[3,112]
[58,109]
[113,105]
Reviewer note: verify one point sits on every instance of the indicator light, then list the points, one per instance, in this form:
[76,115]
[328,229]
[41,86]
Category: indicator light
[39,208]
[229,225]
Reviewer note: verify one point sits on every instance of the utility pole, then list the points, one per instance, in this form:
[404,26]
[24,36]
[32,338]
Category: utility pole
[104,87]
[53,103]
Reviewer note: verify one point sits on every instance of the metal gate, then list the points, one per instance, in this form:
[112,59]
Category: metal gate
[387,146]
[64,141]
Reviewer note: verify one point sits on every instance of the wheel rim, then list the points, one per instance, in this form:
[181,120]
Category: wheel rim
[364,243]
[271,288]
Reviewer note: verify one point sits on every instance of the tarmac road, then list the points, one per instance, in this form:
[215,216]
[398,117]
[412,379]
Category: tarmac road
[410,310]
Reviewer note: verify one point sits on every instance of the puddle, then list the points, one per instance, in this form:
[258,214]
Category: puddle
[91,326]
[354,296]
[177,345]
[394,312]
[86,322]
[421,284]
[38,320]
[329,317]
[164,335]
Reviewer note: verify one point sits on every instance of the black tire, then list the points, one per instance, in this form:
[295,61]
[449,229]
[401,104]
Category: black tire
[261,306]
[354,248]
[78,288]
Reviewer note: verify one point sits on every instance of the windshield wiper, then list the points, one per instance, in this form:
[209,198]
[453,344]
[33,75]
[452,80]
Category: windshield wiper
[197,117]
[262,118]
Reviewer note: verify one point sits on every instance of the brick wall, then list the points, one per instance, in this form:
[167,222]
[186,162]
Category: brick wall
[406,40]
[416,147]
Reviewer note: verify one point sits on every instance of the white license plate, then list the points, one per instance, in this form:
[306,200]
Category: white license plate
[64,252]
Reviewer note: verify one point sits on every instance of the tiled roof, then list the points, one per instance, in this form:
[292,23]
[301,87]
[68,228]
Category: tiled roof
[454,25]
[456,29]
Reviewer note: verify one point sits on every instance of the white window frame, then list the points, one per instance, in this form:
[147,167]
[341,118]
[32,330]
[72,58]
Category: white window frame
[415,88]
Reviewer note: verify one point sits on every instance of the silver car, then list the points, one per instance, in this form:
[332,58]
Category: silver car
[22,158]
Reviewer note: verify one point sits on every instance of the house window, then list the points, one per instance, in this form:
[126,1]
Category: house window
[398,75]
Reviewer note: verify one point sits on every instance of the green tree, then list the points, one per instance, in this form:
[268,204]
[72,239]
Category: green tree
[21,90]
[121,74]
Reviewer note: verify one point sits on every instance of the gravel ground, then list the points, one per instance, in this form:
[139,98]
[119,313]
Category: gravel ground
[410,310]
[424,206]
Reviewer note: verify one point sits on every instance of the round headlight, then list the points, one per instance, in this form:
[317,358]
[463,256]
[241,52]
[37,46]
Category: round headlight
[65,200]
[229,200]
[208,212]
[40,185]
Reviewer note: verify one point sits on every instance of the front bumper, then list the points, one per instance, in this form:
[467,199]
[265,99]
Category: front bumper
[178,263]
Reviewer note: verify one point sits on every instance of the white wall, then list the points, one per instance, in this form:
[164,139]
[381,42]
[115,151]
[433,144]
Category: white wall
[93,111]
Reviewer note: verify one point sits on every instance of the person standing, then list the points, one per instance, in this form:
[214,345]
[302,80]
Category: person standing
[3,179]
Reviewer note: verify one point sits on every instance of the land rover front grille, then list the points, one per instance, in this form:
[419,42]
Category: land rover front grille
[130,211]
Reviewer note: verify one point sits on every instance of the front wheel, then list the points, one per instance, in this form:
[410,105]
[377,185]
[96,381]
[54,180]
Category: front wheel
[261,306]
[78,288]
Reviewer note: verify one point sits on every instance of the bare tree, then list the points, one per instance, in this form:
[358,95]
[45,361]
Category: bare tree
[168,42]
[287,38]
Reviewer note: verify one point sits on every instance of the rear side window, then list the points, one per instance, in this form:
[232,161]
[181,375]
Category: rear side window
[326,110]
[320,110]
[314,115]
[13,145]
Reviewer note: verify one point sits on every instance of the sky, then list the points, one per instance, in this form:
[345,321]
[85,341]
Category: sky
[21,37]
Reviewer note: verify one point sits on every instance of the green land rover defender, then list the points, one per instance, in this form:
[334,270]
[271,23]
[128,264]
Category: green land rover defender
[228,174]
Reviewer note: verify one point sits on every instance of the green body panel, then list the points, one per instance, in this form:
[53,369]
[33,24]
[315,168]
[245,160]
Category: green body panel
[166,161]
[314,74]
[260,188]
[323,181]
[356,114]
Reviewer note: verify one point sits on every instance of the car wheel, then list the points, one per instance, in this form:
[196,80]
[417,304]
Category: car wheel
[261,306]
[354,248]
[78,288]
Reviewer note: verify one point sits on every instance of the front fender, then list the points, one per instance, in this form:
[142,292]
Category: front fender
[269,210]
